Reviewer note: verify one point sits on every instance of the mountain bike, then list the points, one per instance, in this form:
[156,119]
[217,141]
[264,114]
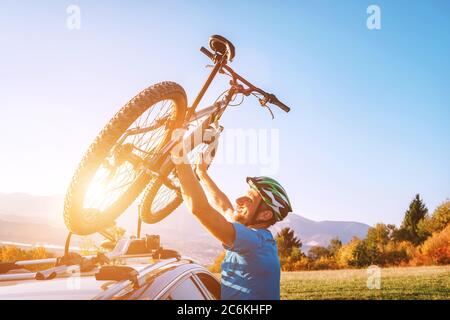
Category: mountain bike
[131,154]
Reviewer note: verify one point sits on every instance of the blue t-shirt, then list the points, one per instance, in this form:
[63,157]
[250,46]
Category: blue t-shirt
[251,268]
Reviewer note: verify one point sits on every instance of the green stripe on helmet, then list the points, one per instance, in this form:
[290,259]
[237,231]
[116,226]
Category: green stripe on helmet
[273,194]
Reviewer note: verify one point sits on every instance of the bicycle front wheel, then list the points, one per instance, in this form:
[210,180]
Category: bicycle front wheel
[112,173]
[162,196]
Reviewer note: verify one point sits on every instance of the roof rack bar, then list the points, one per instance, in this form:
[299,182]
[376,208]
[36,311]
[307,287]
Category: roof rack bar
[33,262]
[18,276]
[119,286]
[52,272]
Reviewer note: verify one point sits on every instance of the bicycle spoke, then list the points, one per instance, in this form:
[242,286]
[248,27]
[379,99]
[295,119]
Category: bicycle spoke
[153,140]
[107,186]
[146,120]
[165,195]
[149,112]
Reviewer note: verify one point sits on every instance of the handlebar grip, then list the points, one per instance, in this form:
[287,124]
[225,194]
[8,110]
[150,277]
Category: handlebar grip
[274,100]
[206,52]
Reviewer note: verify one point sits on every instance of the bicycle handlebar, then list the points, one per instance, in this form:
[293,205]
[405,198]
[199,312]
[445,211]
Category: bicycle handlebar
[271,98]
[207,53]
[274,100]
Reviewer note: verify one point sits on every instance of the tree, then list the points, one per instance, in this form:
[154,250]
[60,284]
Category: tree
[396,253]
[318,252]
[287,241]
[289,250]
[363,255]
[437,222]
[379,235]
[392,231]
[346,254]
[441,217]
[371,249]
[216,267]
[334,246]
[436,249]
[330,251]
[409,229]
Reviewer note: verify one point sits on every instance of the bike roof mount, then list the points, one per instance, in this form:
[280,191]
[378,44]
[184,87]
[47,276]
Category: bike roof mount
[148,246]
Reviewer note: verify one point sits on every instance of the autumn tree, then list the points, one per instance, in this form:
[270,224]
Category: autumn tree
[345,257]
[334,246]
[287,242]
[436,249]
[289,250]
[437,222]
[216,267]
[441,217]
[318,252]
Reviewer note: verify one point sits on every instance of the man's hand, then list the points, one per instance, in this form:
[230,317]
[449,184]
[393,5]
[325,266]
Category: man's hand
[178,154]
[217,198]
[200,166]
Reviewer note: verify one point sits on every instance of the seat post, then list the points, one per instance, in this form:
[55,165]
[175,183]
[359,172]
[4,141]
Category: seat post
[206,85]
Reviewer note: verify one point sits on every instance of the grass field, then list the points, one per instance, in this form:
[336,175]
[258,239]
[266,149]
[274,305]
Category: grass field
[396,283]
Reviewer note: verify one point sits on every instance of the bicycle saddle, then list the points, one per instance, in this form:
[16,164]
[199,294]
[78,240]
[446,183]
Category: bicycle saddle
[221,45]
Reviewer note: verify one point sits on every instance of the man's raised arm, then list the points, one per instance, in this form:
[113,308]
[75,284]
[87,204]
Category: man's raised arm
[217,198]
[197,202]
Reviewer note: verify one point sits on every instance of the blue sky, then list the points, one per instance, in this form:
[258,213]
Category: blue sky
[370,116]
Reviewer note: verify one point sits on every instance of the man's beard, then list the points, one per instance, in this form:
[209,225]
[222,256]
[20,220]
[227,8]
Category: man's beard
[239,217]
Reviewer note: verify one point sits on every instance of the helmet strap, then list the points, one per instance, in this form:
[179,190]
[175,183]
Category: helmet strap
[253,221]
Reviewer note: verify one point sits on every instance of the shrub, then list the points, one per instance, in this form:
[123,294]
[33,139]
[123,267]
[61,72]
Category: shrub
[397,253]
[324,263]
[435,250]
[294,261]
[302,264]
[287,242]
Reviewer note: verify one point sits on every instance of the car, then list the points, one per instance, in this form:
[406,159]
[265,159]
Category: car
[132,271]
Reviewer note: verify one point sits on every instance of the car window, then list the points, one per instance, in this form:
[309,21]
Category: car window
[210,283]
[186,290]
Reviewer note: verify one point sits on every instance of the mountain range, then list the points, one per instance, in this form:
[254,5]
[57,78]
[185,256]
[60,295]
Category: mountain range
[38,219]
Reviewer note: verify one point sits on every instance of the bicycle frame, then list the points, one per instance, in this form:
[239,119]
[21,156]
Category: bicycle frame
[217,67]
[212,113]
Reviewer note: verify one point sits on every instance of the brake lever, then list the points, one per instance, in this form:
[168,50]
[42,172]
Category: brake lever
[271,113]
[263,103]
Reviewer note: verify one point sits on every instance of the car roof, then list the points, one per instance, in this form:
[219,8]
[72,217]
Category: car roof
[84,287]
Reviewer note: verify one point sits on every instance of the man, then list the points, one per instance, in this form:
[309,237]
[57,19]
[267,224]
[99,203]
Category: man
[251,267]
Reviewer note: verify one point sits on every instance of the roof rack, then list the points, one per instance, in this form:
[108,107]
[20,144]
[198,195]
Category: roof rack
[149,246]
